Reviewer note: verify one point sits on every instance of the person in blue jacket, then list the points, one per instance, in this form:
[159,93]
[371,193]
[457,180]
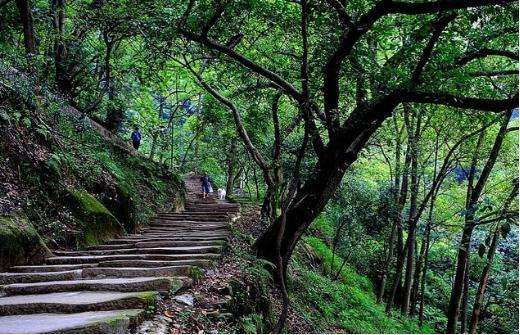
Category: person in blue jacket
[136,138]
[204,180]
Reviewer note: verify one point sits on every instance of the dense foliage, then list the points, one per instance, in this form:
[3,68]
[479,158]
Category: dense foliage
[383,133]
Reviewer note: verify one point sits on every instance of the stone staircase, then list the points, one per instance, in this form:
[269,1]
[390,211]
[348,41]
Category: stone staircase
[108,288]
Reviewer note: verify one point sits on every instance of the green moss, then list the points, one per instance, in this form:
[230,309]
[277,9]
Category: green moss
[149,296]
[19,241]
[98,223]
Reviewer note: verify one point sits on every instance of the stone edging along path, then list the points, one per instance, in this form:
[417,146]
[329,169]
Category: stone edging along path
[107,288]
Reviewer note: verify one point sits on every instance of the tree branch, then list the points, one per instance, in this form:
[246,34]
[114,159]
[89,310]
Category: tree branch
[489,105]
[485,52]
[238,123]
[275,78]
[414,8]
[438,27]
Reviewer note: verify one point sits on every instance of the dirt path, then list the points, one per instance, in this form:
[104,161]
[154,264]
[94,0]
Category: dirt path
[108,288]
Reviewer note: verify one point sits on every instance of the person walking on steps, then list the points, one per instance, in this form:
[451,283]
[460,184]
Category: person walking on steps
[204,180]
[136,138]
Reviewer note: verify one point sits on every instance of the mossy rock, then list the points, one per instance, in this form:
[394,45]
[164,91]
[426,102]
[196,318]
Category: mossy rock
[20,243]
[126,207]
[98,224]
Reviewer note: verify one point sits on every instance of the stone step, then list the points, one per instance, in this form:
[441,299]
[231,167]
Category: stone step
[32,277]
[111,246]
[191,207]
[192,213]
[191,216]
[211,209]
[108,322]
[167,243]
[128,272]
[188,231]
[155,250]
[51,268]
[158,232]
[204,215]
[197,224]
[101,258]
[190,223]
[161,284]
[75,302]
[154,263]
[148,238]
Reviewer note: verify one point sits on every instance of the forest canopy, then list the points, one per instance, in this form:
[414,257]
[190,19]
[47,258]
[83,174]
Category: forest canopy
[387,128]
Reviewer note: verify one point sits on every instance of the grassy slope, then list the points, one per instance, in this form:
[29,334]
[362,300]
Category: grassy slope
[67,178]
[346,304]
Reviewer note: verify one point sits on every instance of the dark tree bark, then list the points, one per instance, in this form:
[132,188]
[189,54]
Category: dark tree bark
[396,201]
[464,301]
[426,239]
[63,77]
[412,222]
[230,161]
[484,277]
[29,39]
[417,277]
[401,201]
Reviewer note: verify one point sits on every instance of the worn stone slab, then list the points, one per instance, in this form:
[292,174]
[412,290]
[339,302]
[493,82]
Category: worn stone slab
[126,272]
[162,284]
[31,277]
[118,321]
[154,263]
[100,258]
[75,302]
[50,268]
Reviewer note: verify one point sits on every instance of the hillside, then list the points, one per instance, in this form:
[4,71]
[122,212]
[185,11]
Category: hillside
[66,182]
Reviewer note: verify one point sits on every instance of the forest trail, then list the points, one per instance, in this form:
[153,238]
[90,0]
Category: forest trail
[109,288]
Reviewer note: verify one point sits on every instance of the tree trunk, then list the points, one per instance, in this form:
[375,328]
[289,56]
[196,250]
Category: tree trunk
[412,220]
[29,39]
[484,277]
[417,278]
[426,243]
[458,284]
[308,203]
[403,195]
[396,199]
[401,255]
[472,199]
[464,302]
[63,80]
[426,238]
[388,259]
[230,158]
[154,144]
